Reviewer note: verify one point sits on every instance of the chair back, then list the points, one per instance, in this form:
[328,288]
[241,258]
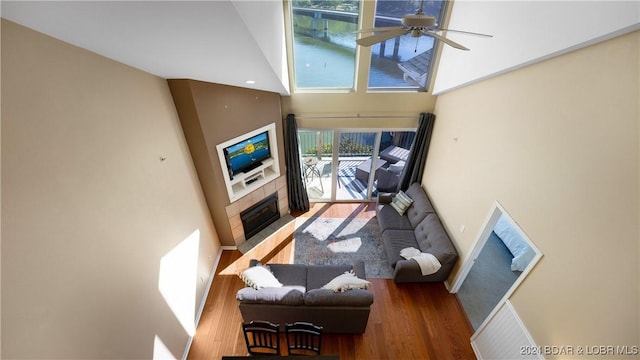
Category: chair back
[303,338]
[262,337]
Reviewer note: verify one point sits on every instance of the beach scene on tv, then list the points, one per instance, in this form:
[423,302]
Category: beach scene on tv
[248,152]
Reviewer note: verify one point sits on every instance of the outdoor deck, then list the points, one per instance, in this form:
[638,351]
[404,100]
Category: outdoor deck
[348,186]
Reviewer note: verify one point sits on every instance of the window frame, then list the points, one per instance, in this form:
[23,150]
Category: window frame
[290,39]
[367,11]
[435,57]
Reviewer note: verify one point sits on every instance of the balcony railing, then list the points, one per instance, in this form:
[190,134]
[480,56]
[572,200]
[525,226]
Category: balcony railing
[320,143]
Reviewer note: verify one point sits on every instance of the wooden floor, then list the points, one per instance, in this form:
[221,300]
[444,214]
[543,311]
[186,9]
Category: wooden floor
[407,321]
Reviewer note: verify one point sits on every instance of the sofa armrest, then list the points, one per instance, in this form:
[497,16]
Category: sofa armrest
[409,271]
[385,198]
[254,262]
[358,269]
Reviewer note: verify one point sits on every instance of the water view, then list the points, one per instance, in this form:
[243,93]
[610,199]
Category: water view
[322,64]
[325,47]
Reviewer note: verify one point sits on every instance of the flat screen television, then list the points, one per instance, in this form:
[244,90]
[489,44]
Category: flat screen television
[247,154]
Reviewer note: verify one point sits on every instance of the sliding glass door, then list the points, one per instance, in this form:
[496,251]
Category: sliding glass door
[355,161]
[361,164]
[316,149]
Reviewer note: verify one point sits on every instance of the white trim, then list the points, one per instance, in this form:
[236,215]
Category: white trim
[520,327]
[486,229]
[494,214]
[203,301]
[268,171]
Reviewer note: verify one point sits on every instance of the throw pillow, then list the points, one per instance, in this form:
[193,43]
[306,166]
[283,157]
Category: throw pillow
[347,281]
[401,202]
[259,277]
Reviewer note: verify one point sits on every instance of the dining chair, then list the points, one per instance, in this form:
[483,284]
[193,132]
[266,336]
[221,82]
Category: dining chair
[303,338]
[262,337]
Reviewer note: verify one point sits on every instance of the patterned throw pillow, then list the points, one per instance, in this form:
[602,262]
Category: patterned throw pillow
[401,202]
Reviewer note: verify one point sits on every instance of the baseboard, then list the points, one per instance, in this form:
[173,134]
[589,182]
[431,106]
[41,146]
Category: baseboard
[187,348]
[447,286]
[203,301]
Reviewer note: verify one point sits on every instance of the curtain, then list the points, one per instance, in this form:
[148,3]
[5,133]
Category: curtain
[298,199]
[415,165]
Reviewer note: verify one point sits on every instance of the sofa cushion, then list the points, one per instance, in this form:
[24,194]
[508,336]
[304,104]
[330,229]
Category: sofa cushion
[354,297]
[388,218]
[396,240]
[286,295]
[290,274]
[319,275]
[421,204]
[432,238]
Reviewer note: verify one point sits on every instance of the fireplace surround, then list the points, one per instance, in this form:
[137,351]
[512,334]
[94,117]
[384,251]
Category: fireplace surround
[260,215]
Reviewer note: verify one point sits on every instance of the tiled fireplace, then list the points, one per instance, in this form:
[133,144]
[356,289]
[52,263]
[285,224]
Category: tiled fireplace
[277,187]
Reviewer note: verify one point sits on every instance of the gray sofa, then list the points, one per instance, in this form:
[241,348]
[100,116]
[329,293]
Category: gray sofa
[419,228]
[303,299]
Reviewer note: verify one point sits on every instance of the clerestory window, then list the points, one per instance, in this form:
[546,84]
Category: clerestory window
[324,47]
[403,62]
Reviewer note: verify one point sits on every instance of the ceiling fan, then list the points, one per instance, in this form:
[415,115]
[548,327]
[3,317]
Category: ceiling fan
[417,25]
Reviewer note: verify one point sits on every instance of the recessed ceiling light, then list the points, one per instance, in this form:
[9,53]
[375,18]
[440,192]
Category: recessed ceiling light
[250,82]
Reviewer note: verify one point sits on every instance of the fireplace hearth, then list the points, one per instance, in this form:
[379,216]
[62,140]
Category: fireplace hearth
[260,215]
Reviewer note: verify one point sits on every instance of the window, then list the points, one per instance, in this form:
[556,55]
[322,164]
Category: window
[324,47]
[403,62]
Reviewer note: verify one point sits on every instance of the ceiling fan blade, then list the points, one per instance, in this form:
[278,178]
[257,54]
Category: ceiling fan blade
[374,39]
[444,40]
[378,29]
[464,32]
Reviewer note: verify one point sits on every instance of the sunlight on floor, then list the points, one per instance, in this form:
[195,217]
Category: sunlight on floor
[329,229]
[345,246]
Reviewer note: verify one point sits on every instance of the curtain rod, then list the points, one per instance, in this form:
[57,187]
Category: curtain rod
[357,116]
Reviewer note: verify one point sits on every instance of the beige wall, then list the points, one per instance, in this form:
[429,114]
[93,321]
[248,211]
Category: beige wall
[105,248]
[212,114]
[557,144]
[358,110]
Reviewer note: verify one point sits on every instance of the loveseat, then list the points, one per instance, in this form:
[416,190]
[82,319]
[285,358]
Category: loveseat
[418,228]
[301,297]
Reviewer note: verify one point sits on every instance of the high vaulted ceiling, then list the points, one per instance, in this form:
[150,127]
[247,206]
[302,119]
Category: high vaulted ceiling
[232,41]
[222,41]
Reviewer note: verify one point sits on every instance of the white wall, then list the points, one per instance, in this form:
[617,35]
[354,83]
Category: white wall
[525,32]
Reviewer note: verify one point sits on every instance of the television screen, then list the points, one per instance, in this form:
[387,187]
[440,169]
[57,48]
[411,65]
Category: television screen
[247,154]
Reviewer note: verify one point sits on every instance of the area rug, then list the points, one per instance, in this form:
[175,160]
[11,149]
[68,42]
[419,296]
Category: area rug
[341,241]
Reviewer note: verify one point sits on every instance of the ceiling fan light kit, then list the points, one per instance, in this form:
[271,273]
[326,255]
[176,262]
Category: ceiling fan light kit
[418,20]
